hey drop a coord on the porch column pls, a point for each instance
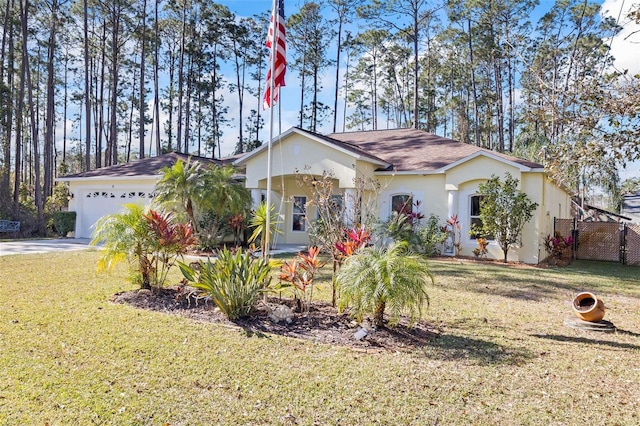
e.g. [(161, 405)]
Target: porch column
[(452, 202), (452, 209), (256, 197), (350, 195)]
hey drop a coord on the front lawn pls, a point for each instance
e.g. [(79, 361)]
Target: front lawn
[(70, 356)]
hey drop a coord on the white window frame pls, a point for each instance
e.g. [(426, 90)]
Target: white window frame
[(401, 194), (471, 216), (339, 204), (302, 221)]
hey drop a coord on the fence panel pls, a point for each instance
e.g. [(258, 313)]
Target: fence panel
[(598, 241), (633, 245), (564, 227)]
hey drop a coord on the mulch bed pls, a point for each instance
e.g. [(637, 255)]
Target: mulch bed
[(321, 324)]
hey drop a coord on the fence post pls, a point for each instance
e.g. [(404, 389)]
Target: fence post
[(574, 235), (623, 244)]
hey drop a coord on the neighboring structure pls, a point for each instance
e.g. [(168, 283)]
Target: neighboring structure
[(442, 174), (99, 192), (589, 213), (631, 207)]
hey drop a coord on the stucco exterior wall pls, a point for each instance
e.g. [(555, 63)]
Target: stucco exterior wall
[(428, 190), (479, 168), (443, 193), (298, 153)]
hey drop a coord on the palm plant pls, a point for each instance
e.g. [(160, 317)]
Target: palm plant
[(181, 187), (259, 224), (150, 241), (125, 236), (222, 194), (376, 279)]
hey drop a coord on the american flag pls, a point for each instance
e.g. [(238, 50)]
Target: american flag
[(277, 32)]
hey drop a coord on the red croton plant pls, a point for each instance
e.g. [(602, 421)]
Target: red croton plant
[(169, 240), (299, 274), (356, 238)]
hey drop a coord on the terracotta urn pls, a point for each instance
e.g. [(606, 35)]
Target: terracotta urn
[(588, 307)]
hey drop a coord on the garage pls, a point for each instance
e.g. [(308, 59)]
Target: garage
[(99, 192), (96, 203)]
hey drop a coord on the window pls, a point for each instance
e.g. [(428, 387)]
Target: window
[(299, 215), (335, 205), (402, 204), (474, 217)]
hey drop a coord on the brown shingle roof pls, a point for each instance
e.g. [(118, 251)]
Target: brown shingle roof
[(416, 150), (149, 166)]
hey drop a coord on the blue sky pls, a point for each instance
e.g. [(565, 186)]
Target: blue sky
[(626, 52)]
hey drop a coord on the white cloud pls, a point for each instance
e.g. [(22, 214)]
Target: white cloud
[(624, 46)]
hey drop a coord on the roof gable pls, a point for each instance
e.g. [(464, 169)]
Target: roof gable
[(414, 150), (348, 149)]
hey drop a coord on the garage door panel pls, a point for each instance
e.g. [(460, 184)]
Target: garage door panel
[(98, 203)]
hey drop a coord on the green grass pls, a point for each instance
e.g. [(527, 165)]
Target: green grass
[(69, 356)]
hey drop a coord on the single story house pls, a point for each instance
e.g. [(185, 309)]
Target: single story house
[(441, 174), (103, 191)]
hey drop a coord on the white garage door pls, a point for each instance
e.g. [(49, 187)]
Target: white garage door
[(95, 204)]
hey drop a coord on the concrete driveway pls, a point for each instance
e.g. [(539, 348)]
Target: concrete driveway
[(42, 246)]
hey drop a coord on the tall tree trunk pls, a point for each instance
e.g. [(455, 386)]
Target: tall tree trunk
[(416, 70), (187, 109), (335, 94), (115, 77), (100, 105), (239, 65), (156, 84), (65, 101), (314, 102), (183, 35), (32, 113), (142, 63), (50, 108), (474, 90), (130, 126), (497, 71), (17, 173), (170, 108), (87, 91), (7, 101)]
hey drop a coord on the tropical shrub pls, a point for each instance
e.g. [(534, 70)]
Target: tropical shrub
[(399, 227), (386, 278), (259, 224), (150, 241), (170, 241), (427, 239), (198, 192), (353, 240), (180, 189), (557, 245), (299, 274), (504, 210), (453, 235), (430, 237), (481, 249), (234, 281), (212, 231), (63, 223)]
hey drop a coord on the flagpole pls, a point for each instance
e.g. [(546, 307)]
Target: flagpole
[(275, 16)]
